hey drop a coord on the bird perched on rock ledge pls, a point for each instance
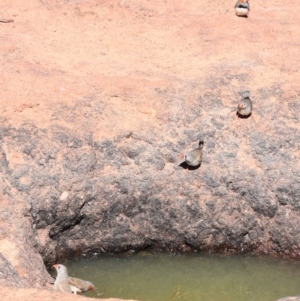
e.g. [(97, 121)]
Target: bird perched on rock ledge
[(194, 157), (242, 8), (244, 108)]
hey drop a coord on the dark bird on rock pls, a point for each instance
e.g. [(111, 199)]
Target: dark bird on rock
[(194, 157), (244, 108), (242, 8)]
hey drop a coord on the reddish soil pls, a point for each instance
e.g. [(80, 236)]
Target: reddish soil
[(58, 52)]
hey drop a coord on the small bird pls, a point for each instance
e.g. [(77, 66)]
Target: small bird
[(194, 157), (61, 283), (64, 283), (245, 105), (81, 285), (242, 8)]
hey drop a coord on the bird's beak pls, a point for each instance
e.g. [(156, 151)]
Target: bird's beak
[(55, 266), (181, 156)]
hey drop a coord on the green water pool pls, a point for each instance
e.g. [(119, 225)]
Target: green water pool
[(194, 277)]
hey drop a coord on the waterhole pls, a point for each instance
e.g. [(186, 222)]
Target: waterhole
[(193, 277)]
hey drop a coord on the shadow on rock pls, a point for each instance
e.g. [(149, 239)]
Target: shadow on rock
[(184, 165)]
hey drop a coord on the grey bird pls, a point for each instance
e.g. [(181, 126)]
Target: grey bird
[(194, 157), (61, 283), (242, 8), (81, 285), (245, 105)]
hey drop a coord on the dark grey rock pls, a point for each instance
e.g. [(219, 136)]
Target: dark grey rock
[(128, 192)]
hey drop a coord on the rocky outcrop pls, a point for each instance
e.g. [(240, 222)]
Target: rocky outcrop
[(97, 107), (21, 264), (128, 192)]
